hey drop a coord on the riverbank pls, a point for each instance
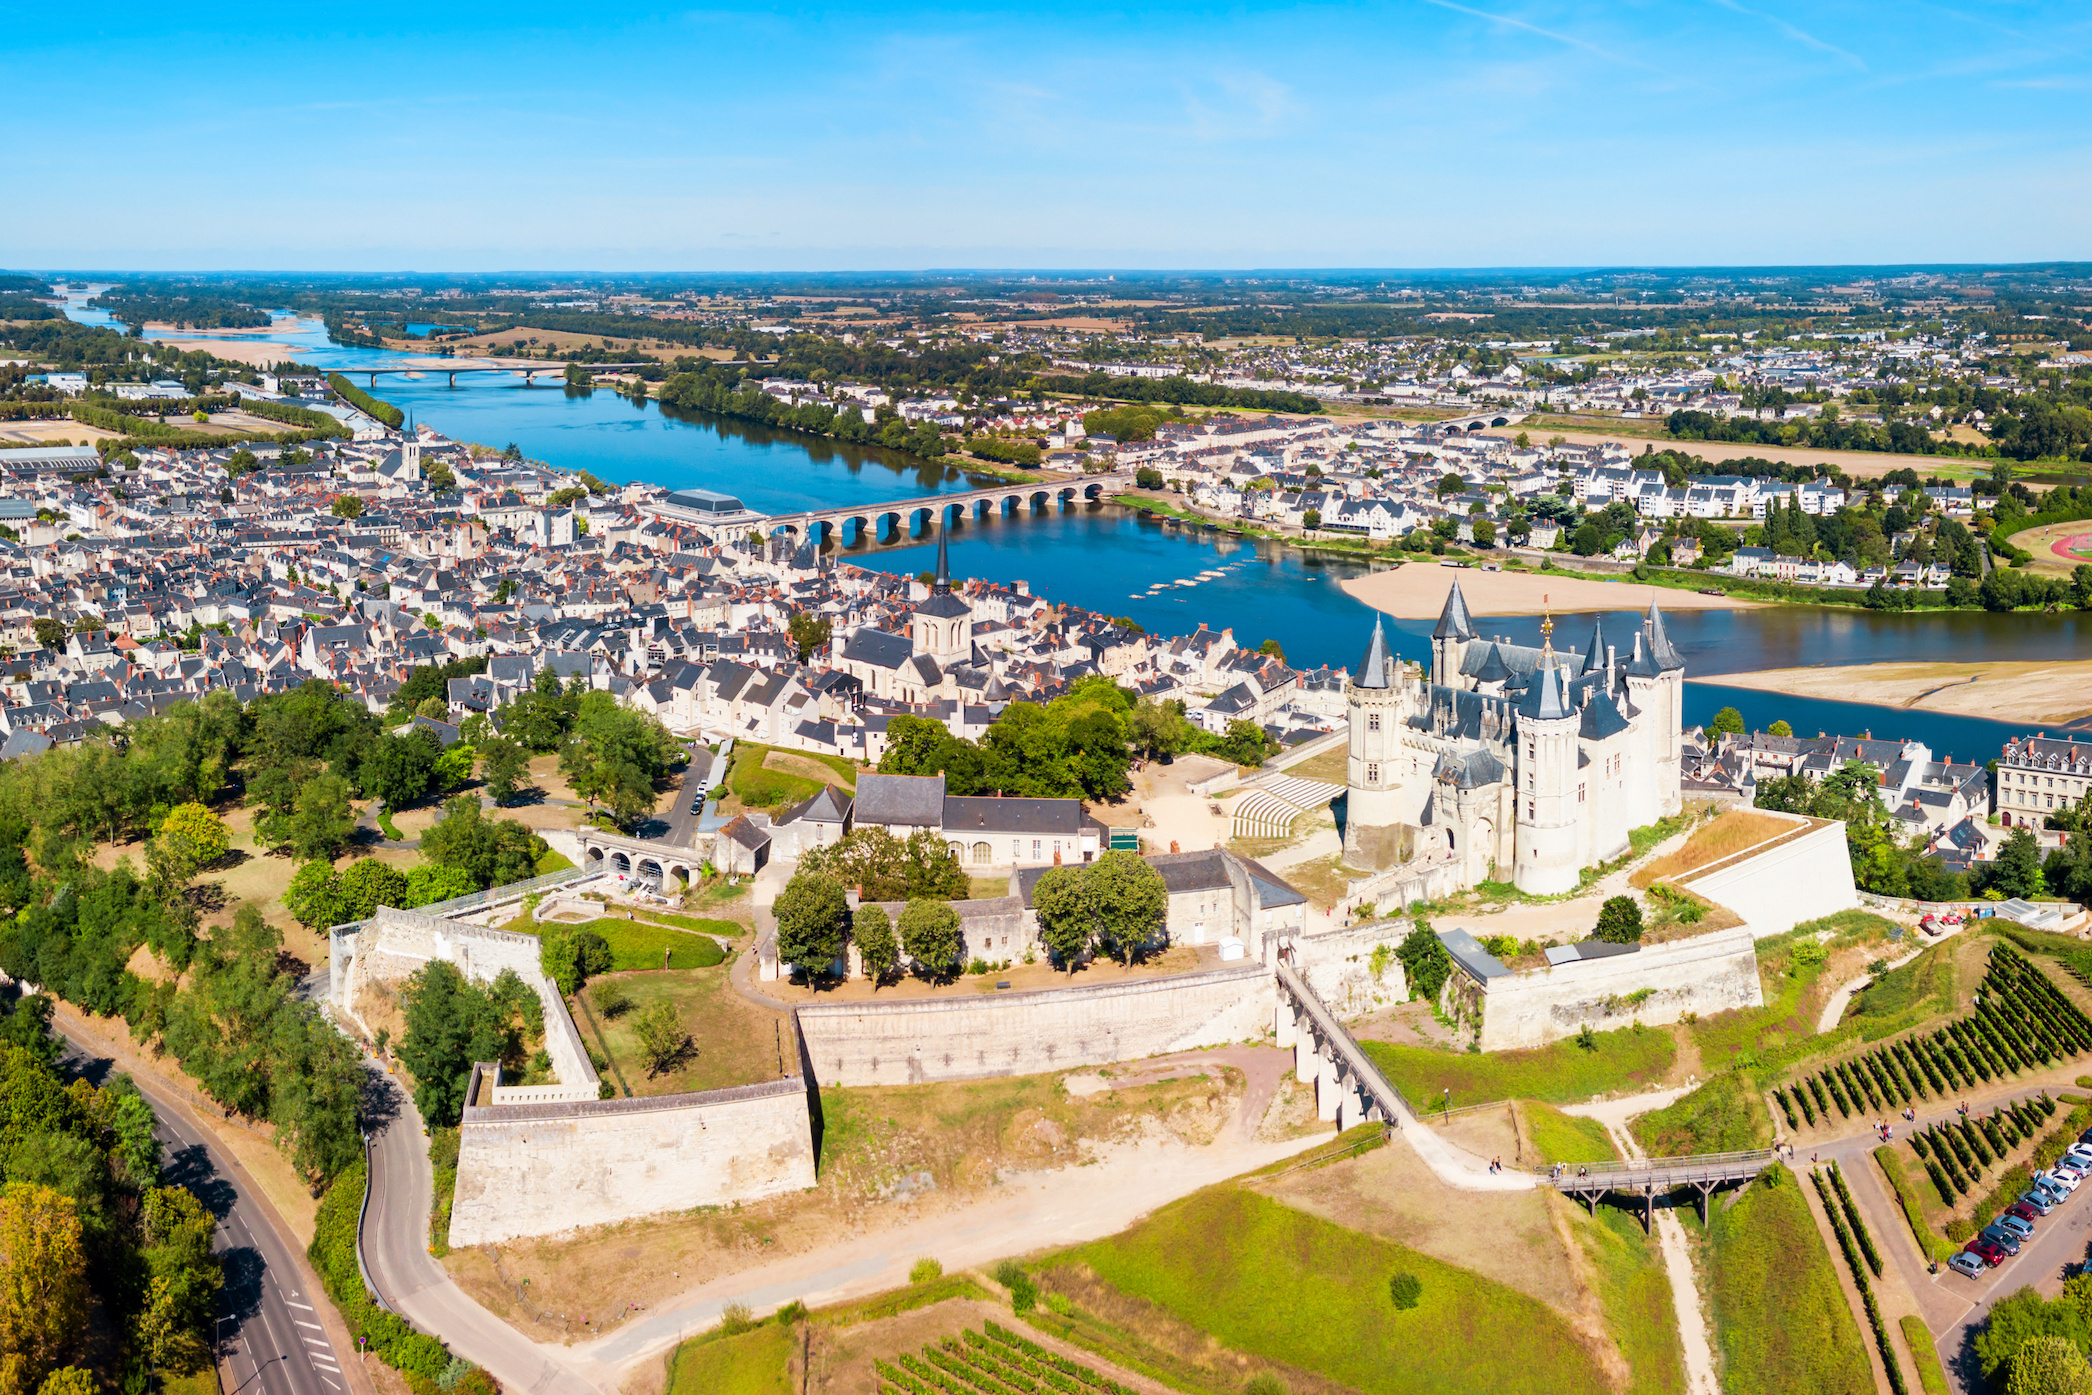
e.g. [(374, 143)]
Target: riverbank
[(2050, 693), (1417, 591)]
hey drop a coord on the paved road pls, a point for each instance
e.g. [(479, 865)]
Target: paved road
[(410, 1281), (271, 1333)]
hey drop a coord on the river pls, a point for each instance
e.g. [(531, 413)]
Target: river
[(1110, 560)]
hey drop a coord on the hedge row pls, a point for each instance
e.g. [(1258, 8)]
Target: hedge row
[(362, 401), (2020, 1021), (319, 423), (1852, 1215), (1859, 1276), (1956, 1151)]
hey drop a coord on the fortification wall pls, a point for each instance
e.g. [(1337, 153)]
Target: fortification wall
[(539, 1169), (914, 1042), (1655, 986), (1805, 878), (1338, 966)]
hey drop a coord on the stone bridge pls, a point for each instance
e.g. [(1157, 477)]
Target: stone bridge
[(907, 517), (613, 852), (1349, 1088), (528, 372), (1658, 1176)]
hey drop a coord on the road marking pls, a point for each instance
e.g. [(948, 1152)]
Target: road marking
[(296, 1304), (303, 1323)]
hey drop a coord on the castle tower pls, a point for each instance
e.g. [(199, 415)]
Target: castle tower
[(1449, 639), (1375, 834), (1669, 712), (942, 626), (1547, 805)]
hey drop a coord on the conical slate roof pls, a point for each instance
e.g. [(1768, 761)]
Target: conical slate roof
[(1660, 649), (1453, 621), (942, 585), (1594, 657), (1377, 669), (1545, 701)]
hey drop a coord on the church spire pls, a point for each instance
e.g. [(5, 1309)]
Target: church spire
[(1453, 621), (942, 586)]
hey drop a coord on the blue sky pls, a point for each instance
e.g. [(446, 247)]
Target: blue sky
[(1417, 133)]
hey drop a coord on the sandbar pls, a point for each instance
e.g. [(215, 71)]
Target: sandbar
[(1417, 591), (2039, 692)]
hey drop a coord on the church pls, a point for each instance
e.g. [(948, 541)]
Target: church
[(1520, 764)]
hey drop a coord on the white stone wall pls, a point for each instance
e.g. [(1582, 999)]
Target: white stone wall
[(1802, 879), (914, 1042), (547, 1168), (1338, 967), (1706, 974)]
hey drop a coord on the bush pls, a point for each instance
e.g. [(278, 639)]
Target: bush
[(1024, 1294), (612, 999), (1405, 1290), (734, 1319), (1619, 921), (924, 1270)]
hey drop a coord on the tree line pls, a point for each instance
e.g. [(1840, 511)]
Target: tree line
[(725, 392), (365, 403)]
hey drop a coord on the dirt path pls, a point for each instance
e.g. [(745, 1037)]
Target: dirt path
[(1835, 1008), (1700, 1378)]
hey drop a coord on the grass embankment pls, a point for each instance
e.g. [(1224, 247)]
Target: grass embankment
[(1564, 1138), (1279, 1284), (1632, 1058), (640, 944), (755, 1362), (1725, 836), (1635, 1291), (1925, 1356), (765, 777), (732, 1040), (1726, 1115), (1779, 1314)]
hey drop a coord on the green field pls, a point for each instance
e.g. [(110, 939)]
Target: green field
[(1636, 1291), (1779, 1316), (757, 1362), (635, 944), (759, 786), (1629, 1059), (732, 1040), (1276, 1283), (1751, 1038), (1565, 1138), (1726, 1115)]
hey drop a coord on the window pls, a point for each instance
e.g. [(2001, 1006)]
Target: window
[(1579, 794), (1529, 809), (1372, 721), (1034, 847), (1372, 774)]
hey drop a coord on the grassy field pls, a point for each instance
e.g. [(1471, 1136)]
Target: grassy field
[(1636, 1293), (1559, 1137), (1726, 1115), (636, 944), (757, 1362), (1628, 1059), (1273, 1282), (733, 1041), (1780, 1318), (1751, 1038), (764, 777)]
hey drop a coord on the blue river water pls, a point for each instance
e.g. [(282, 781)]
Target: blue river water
[(1124, 564)]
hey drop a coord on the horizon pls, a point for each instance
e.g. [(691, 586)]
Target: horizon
[(1428, 135)]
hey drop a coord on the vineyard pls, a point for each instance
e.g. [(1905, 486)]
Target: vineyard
[(998, 1363), (2021, 1022)]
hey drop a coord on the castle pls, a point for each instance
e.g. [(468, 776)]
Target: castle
[(1511, 760)]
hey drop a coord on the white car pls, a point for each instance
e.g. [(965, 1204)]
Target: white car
[(2079, 1157), (2059, 1179)]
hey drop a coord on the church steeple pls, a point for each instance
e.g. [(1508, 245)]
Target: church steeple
[(942, 585)]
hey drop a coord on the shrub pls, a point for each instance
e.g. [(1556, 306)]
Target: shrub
[(1405, 1290), (1619, 921), (924, 1270), (734, 1319), (1024, 1294), (613, 1000)]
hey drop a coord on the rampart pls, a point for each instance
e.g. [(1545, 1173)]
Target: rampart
[(1654, 985), (1338, 966), (914, 1042), (1777, 885), (538, 1169)]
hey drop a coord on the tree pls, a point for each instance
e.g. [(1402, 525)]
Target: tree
[(810, 632), (930, 936), (571, 958), (1727, 722), (71, 1380), (1128, 898), (662, 1038), (1485, 533), (314, 895), (811, 913), (1619, 921), (871, 930), (428, 883), (1274, 649), (450, 1024), (347, 506), (454, 767), (1061, 902), (1425, 962), (193, 834), (1160, 728), (321, 823), (1311, 520), (368, 884), (49, 633), (503, 765), (183, 1294), (398, 770), (492, 852), (2017, 871), (1450, 483), (2049, 1366), (43, 1283), (1780, 728)]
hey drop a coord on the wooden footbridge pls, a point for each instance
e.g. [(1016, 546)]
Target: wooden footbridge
[(1654, 1177)]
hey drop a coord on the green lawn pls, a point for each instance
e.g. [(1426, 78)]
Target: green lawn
[(1628, 1059), (1751, 1038), (1779, 1316), (732, 1041), (1726, 1115), (1276, 1283), (635, 944), (757, 1362), (1565, 1138), (759, 786)]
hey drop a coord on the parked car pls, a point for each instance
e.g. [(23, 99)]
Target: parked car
[(2058, 1179), (1968, 1265), (1993, 1254), (2038, 1200), (2001, 1237), (2079, 1156), (2023, 1211), (2018, 1225)]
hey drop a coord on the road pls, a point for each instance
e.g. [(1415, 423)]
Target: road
[(277, 1332), (408, 1279)]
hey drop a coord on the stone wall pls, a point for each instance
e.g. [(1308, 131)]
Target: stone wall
[(917, 1041), (1804, 878), (1655, 985), (539, 1169), (1338, 966)]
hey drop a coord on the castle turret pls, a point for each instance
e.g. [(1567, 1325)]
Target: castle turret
[(1666, 709), (1375, 832), (1449, 639), (1548, 806)]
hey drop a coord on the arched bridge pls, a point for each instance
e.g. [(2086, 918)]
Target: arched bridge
[(639, 857), (906, 517), (528, 372), (1652, 1177), (1349, 1088)]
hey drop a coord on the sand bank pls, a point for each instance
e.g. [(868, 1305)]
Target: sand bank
[(1417, 591), (2048, 693)]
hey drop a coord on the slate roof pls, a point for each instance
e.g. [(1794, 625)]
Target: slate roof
[(914, 800)]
